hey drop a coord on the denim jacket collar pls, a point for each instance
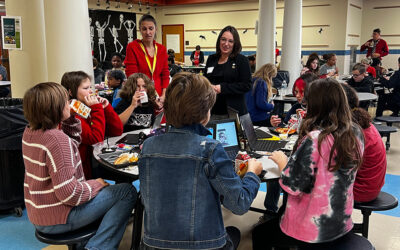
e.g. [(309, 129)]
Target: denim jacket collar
[(194, 128)]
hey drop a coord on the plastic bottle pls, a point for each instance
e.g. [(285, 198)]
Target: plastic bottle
[(284, 87)]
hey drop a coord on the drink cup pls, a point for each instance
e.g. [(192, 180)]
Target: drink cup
[(144, 98)]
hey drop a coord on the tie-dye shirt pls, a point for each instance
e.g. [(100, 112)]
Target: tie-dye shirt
[(320, 202)]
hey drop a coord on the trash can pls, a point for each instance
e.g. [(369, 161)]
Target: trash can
[(12, 170)]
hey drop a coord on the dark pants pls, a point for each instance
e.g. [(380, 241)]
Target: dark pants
[(387, 102), (231, 243)]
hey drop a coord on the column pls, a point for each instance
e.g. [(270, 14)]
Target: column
[(67, 37), (29, 65), (266, 33), (291, 39)]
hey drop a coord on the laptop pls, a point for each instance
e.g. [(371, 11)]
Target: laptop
[(258, 132), (225, 132), (157, 121), (258, 145)]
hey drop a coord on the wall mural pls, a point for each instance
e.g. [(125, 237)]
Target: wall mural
[(110, 31)]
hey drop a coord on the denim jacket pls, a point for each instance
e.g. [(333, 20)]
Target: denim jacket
[(182, 176)]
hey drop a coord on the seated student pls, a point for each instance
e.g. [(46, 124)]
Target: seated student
[(298, 91), (361, 83), (370, 70), (319, 175), (197, 56), (371, 174), (390, 101), (102, 121), (116, 78), (184, 174), (117, 60), (312, 65), (329, 69), (172, 67), (258, 99), (58, 198), (133, 111), (99, 74), (252, 62)]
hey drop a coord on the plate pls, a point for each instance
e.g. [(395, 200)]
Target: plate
[(111, 157), (284, 131)]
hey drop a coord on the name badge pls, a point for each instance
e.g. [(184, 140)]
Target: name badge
[(210, 70)]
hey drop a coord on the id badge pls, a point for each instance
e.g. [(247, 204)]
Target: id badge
[(210, 70)]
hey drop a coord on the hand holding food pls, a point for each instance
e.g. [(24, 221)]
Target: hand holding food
[(90, 100), (275, 120), (103, 101), (254, 166)]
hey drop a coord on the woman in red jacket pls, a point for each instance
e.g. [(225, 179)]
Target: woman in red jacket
[(148, 57), (102, 121)]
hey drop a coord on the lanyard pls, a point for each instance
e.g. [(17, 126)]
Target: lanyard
[(148, 60)]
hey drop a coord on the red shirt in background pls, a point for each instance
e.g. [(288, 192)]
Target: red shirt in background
[(381, 48), (371, 71), (196, 58), (371, 174), (135, 61)]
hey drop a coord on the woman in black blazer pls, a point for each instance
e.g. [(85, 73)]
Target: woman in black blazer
[(229, 72)]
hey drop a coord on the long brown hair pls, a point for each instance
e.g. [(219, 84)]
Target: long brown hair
[(237, 45), (130, 86), (266, 73), (328, 110)]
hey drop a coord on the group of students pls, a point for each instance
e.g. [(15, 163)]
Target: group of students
[(185, 176)]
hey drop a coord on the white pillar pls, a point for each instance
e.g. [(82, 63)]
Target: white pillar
[(291, 39), (29, 65), (67, 37), (266, 33)]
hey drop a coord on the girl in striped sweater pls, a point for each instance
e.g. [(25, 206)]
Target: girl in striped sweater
[(58, 198)]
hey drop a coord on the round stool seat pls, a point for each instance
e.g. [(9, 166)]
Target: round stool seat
[(384, 201), (385, 129), (69, 238), (388, 118), (349, 241)]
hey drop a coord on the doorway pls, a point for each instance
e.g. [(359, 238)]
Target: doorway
[(173, 38)]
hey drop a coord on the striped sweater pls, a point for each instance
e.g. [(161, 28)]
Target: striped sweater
[(54, 181)]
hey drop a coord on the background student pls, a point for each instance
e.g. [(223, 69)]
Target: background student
[(197, 56), (58, 198)]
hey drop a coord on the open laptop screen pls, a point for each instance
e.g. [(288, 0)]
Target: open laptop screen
[(247, 125), (226, 134)]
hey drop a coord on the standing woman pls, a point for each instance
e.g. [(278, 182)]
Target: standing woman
[(148, 57), (229, 73), (257, 99)]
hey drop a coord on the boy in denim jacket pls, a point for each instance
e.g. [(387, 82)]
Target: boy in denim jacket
[(183, 174)]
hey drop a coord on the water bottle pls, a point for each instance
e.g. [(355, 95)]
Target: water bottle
[(283, 88)]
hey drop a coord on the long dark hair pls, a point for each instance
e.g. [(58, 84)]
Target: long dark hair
[(328, 110), (237, 46), (360, 116), (308, 64)]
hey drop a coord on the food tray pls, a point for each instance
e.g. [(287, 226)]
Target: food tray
[(110, 158)]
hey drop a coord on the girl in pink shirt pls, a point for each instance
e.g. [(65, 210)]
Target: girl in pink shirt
[(319, 176)]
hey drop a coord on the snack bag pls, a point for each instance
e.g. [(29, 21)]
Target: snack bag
[(241, 163), (80, 108)]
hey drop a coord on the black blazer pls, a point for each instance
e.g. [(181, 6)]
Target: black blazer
[(201, 57), (236, 81)]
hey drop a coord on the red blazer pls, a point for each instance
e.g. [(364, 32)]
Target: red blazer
[(101, 122), (381, 48), (135, 61)]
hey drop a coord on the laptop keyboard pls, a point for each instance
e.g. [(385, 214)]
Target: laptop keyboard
[(269, 146), (262, 134)]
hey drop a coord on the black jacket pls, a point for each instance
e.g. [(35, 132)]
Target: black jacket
[(393, 83), (366, 85), (234, 76), (201, 57)]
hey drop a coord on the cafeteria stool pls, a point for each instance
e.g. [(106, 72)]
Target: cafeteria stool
[(349, 241), (383, 202), (385, 131), (71, 239)]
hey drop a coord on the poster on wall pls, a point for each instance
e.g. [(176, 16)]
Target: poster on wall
[(12, 32), (110, 31)]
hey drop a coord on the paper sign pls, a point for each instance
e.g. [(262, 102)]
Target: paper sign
[(173, 42), (12, 32)]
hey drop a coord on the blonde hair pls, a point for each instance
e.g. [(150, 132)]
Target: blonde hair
[(266, 73)]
